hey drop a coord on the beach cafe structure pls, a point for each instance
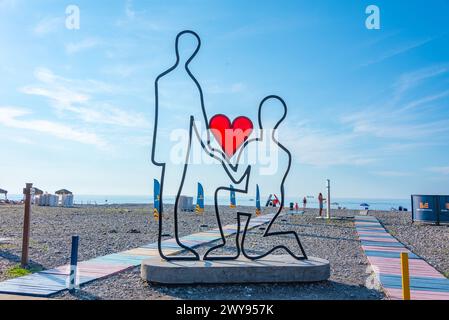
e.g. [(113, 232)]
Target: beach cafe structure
[(37, 194), (65, 197), (5, 193)]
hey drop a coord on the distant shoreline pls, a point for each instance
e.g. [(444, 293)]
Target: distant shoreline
[(348, 203)]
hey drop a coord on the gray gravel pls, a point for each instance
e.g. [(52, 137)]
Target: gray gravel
[(333, 240), (102, 230), (111, 229), (430, 242)]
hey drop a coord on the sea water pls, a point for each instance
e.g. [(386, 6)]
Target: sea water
[(348, 203)]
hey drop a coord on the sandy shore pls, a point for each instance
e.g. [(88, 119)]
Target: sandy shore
[(109, 229)]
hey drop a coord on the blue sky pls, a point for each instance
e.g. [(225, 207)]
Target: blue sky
[(367, 108)]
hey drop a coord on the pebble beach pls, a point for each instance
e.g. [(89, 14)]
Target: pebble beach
[(114, 228)]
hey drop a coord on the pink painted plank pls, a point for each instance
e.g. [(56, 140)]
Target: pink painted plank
[(364, 233), (392, 240), (389, 249), (392, 261), (357, 223), (396, 294), (415, 271)]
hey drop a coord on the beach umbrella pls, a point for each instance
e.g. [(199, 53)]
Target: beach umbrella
[(232, 198), (157, 198), (200, 199), (364, 205), (257, 200), (63, 191), (269, 200), (38, 191)]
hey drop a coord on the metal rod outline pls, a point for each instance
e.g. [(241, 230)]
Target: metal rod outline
[(211, 151)]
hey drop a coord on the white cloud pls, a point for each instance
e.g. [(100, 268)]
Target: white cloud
[(396, 126), (22, 140), (387, 124), (390, 129), (75, 97), (323, 148), (425, 100), (224, 89), (129, 11), (388, 173), (11, 117), (7, 4), (75, 47), (141, 20), (127, 70), (398, 118), (403, 48), (440, 170), (409, 80), (49, 25)]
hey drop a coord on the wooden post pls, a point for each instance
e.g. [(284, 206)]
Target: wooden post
[(27, 191), (405, 276), (328, 207)]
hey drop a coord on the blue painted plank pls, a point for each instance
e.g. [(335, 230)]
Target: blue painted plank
[(416, 283), (388, 254), (35, 285), (376, 236), (383, 244)]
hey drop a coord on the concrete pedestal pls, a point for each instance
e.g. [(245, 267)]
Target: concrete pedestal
[(271, 269)]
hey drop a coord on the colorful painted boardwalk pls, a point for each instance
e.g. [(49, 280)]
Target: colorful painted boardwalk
[(383, 252), (48, 282)]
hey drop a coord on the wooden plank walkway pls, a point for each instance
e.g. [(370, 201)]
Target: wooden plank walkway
[(5, 240), (383, 252), (15, 297), (49, 282)]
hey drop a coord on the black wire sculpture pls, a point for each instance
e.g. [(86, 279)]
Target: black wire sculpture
[(221, 156)]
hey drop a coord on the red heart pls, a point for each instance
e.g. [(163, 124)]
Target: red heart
[(230, 136)]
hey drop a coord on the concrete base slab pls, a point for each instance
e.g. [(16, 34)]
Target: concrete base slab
[(271, 269)]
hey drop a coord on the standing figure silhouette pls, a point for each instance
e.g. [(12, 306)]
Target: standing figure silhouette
[(179, 104)]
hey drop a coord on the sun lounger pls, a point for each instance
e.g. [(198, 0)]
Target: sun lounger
[(363, 212)]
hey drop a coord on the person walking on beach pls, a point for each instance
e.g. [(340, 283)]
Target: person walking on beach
[(304, 203), (320, 202)]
